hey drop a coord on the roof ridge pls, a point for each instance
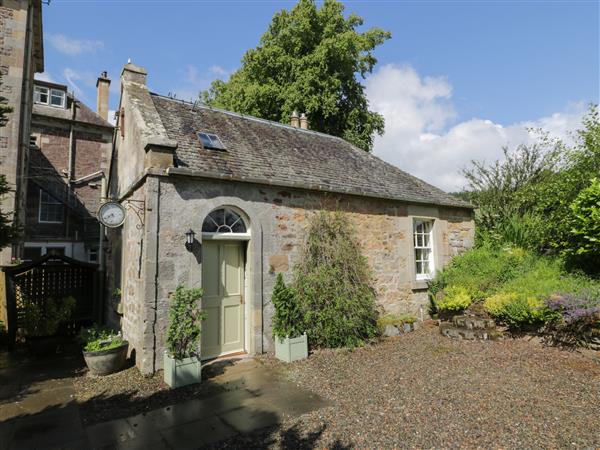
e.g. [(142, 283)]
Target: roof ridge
[(248, 117)]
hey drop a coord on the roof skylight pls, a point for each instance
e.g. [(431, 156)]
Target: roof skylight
[(211, 141)]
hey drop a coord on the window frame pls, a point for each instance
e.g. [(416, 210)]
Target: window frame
[(63, 97), (430, 247), (49, 92), (37, 93), (41, 203), (214, 141)]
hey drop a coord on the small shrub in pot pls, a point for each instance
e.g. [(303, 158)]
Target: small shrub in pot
[(104, 350), (182, 365), (291, 342)]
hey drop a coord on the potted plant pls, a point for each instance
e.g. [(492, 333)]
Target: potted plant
[(291, 343), (182, 365), (104, 351), (42, 321)]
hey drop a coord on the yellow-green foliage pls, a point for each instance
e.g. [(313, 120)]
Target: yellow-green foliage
[(521, 300), (516, 309), (456, 298)]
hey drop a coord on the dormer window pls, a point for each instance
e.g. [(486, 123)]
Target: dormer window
[(49, 96), (211, 141)]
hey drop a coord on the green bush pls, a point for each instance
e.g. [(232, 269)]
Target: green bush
[(287, 319), (481, 271), (586, 219), (455, 299), (521, 301), (44, 319), (333, 284), (185, 322), (100, 338), (517, 310)]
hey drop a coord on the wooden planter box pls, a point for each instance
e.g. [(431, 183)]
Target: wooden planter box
[(181, 372), (291, 349)]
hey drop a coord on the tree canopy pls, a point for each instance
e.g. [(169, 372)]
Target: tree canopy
[(310, 60)]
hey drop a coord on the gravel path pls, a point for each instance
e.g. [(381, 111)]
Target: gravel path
[(424, 390)]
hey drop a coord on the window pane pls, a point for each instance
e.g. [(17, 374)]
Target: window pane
[(204, 139), (419, 268), (426, 240), (57, 98), (425, 267), (224, 220)]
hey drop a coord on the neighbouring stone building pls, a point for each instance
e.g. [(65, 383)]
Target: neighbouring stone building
[(70, 147), (246, 188), (21, 55)]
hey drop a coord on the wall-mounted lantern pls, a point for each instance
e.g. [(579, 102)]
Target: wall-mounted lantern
[(190, 237)]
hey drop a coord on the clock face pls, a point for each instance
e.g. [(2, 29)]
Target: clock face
[(111, 214)]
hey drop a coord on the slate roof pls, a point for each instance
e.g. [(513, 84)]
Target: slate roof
[(278, 154)]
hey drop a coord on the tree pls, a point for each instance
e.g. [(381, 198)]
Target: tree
[(8, 231), (308, 61)]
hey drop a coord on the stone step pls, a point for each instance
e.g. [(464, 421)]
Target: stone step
[(473, 323), (471, 334)]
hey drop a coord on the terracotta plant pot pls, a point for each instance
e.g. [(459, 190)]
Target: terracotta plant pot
[(105, 362)]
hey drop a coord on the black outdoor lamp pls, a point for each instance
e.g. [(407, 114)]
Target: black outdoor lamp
[(189, 239)]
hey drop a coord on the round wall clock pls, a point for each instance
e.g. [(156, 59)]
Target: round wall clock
[(111, 214)]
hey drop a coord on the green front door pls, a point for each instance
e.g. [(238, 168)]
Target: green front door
[(223, 300)]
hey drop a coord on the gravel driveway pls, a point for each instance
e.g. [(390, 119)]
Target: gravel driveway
[(424, 390)]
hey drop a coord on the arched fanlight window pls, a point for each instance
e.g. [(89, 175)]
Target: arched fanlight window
[(223, 220)]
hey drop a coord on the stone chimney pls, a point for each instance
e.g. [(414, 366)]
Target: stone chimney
[(304, 122), (294, 119), (133, 73), (102, 86)]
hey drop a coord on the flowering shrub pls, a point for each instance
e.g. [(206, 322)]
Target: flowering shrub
[(576, 318)]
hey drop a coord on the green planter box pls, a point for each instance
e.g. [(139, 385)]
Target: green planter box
[(181, 372), (291, 349)]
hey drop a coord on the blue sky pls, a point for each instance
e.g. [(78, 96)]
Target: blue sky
[(456, 67)]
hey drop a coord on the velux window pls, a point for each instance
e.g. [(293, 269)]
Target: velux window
[(423, 237), (48, 96), (210, 140), (51, 210)]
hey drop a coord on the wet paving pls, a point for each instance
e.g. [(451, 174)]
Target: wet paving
[(38, 409)]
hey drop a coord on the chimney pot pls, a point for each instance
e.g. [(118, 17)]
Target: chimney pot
[(304, 122), (102, 87), (294, 119)]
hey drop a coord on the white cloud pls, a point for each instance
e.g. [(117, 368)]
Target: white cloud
[(44, 76), (70, 46), (219, 71), (193, 81), (421, 139), (111, 117), (74, 80)]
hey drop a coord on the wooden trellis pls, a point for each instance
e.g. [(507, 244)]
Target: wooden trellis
[(51, 276)]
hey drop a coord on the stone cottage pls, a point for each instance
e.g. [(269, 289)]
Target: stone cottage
[(242, 189)]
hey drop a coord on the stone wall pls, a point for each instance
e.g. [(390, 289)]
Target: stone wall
[(278, 219), (17, 55)]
